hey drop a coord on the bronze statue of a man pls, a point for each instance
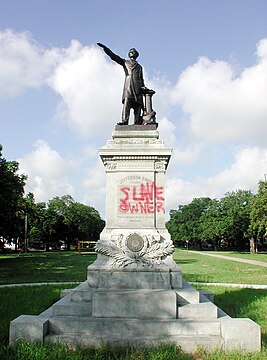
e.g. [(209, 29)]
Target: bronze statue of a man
[(132, 97)]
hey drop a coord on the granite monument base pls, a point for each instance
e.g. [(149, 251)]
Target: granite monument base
[(138, 317), (134, 293)]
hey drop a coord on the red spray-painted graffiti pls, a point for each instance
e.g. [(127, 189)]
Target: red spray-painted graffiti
[(147, 198)]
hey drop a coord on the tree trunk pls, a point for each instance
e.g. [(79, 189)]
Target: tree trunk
[(68, 243), (253, 247), (216, 244)]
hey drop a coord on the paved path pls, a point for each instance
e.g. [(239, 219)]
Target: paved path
[(247, 261), (42, 283), (250, 286)]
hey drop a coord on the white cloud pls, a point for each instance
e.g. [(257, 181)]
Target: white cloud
[(94, 187), (167, 132), (221, 106), (89, 85), (47, 189), (262, 49), (249, 166), (90, 151), (48, 173), (186, 156), (247, 169), (161, 100), (90, 88), (23, 63)]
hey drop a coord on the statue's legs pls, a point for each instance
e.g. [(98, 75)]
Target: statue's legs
[(137, 113), (127, 106), (126, 111)]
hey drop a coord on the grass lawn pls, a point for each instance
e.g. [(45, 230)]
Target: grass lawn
[(68, 266), (33, 300), (44, 267), (240, 303), (25, 300), (197, 267)]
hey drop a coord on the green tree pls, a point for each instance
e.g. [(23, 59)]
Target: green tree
[(57, 224), (11, 195), (211, 225), (236, 207), (258, 217), (25, 216), (185, 223), (87, 222), (218, 223), (36, 216), (68, 221), (227, 220)]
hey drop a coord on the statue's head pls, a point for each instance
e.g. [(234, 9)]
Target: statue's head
[(133, 53)]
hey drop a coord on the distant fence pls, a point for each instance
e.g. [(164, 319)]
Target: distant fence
[(86, 247)]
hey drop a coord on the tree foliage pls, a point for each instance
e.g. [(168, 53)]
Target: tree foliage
[(11, 197), (236, 221), (258, 217), (185, 223), (61, 220), (68, 221), (214, 223)]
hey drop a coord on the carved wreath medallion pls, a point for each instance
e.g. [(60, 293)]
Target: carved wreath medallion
[(135, 243), (134, 249)]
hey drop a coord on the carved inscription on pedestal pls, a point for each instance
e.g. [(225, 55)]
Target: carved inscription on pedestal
[(139, 198)]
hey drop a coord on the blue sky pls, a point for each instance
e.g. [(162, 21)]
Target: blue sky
[(60, 96)]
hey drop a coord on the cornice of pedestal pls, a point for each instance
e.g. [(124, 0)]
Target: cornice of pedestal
[(140, 130), (135, 134), (144, 163), (136, 152), (135, 147)]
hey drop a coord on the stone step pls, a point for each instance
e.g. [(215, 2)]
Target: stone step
[(205, 310), (131, 327), (81, 296), (66, 307), (188, 296), (206, 294), (140, 304), (82, 286), (188, 343)]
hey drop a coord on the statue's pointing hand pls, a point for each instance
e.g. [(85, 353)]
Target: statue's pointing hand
[(101, 45)]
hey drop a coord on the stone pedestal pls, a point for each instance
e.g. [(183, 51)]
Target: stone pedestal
[(134, 293), (134, 250)]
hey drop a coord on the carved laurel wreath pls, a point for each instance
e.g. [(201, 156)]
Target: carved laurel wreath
[(122, 256)]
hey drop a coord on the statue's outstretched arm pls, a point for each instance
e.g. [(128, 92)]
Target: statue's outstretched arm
[(111, 54)]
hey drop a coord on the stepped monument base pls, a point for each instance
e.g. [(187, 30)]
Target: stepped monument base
[(134, 293)]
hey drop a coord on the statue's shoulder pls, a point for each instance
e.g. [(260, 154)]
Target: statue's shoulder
[(132, 65)]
